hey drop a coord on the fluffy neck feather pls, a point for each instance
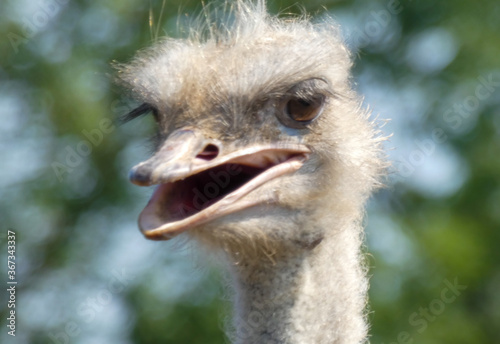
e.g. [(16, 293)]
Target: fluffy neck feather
[(315, 296)]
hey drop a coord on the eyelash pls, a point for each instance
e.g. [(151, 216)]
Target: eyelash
[(141, 110)]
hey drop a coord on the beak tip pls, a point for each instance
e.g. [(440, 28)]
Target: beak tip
[(138, 177), (156, 237)]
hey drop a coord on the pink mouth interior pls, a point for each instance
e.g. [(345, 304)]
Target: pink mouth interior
[(184, 198)]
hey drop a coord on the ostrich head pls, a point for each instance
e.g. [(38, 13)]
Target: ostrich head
[(263, 145)]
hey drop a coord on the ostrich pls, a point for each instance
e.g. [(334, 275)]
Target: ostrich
[(265, 155)]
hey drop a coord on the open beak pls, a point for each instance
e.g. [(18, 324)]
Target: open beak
[(199, 182)]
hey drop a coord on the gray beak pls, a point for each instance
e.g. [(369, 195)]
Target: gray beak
[(183, 152)]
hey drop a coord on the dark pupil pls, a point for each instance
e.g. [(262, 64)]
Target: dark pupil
[(300, 110)]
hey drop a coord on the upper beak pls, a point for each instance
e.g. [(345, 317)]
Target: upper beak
[(183, 153), (201, 179)]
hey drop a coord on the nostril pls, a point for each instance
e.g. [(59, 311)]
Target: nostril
[(210, 152)]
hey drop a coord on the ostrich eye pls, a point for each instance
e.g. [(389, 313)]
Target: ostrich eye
[(304, 110), (303, 103)]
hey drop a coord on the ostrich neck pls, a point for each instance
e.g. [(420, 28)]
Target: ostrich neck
[(315, 296)]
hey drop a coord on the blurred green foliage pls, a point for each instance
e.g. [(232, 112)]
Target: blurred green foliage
[(421, 63)]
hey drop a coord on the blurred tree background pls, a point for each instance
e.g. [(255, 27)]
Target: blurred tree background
[(86, 275)]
